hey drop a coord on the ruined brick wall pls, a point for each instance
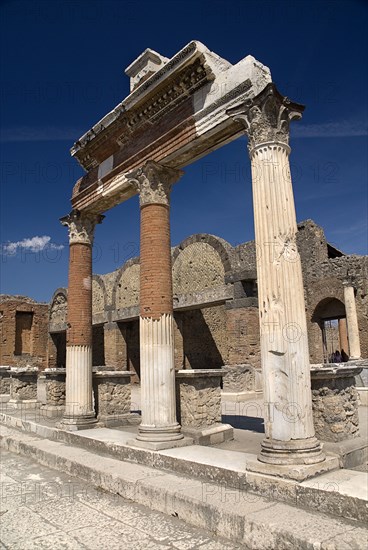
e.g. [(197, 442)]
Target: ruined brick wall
[(204, 338), (24, 332), (224, 334), (126, 288), (98, 295), (323, 279), (197, 267), (242, 333)]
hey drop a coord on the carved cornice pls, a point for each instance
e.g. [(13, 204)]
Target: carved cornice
[(153, 182), (267, 117), (81, 226), (126, 122)]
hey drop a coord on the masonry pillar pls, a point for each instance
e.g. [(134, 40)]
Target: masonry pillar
[(343, 336), (159, 428), (290, 436), (352, 321), (79, 411)]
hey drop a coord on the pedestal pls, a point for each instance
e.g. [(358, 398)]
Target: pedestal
[(199, 406), (23, 388), (112, 393)]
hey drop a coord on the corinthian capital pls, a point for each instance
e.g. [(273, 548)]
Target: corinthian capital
[(266, 117), (153, 182), (81, 226)]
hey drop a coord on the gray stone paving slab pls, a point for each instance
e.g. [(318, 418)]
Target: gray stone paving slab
[(49, 510)]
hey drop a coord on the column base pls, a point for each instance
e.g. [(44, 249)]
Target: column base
[(294, 451), (74, 423), (52, 411), (295, 472), (159, 434), (160, 445)]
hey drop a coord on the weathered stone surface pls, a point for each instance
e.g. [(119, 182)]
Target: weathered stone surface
[(23, 332), (199, 398), (239, 378), (112, 393), (23, 385), (335, 405), (55, 388), (4, 380)]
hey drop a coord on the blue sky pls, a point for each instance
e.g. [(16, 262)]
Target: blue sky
[(63, 69)]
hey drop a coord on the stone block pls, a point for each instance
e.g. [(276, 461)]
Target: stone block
[(112, 394), (23, 387), (4, 380), (335, 402), (199, 406)]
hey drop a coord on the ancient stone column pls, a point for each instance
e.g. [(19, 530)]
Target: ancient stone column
[(79, 412), (290, 437), (352, 321), (159, 427), (343, 336)]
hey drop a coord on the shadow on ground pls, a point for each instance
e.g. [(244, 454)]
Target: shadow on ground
[(250, 423)]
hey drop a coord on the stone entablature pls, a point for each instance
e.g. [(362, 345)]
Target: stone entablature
[(188, 96)]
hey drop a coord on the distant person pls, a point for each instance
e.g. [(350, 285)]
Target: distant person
[(337, 357)]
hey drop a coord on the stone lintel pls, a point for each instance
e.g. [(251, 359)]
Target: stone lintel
[(113, 374), (204, 298), (55, 328), (243, 275), (195, 87), (199, 373), (334, 370), (241, 303)]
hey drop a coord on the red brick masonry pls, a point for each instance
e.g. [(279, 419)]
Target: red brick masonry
[(156, 295)]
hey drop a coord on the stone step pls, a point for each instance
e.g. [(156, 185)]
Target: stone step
[(253, 520), (224, 467)]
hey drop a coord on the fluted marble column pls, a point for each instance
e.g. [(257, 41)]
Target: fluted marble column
[(290, 437), (79, 412), (159, 428), (352, 321)]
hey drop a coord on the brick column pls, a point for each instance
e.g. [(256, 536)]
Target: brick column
[(352, 321), (290, 437), (79, 411), (159, 428)]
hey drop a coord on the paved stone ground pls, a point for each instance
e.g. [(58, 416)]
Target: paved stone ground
[(44, 509)]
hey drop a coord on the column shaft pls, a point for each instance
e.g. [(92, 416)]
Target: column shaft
[(79, 412), (352, 322), (79, 334), (284, 341), (343, 336), (159, 426), (283, 331)]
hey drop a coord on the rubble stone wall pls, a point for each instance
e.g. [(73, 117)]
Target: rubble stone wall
[(200, 402), (335, 409)]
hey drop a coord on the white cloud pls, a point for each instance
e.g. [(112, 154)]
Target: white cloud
[(343, 128), (33, 244)]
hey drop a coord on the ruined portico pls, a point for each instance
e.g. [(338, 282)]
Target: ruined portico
[(178, 111)]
